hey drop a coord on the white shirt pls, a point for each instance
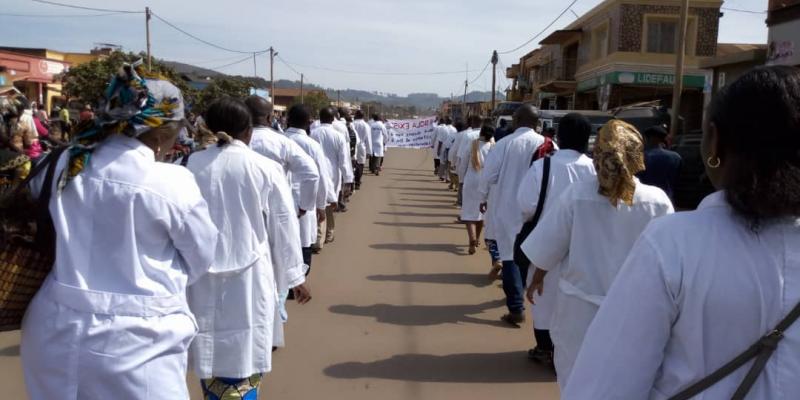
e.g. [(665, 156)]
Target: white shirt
[(464, 150), (587, 239), (364, 135), (258, 255), (325, 188), (341, 126), (338, 153), (456, 146), (380, 135), (296, 164), (704, 288), (506, 164)]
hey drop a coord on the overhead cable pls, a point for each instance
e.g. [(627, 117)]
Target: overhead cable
[(53, 3), (214, 45), (542, 31)]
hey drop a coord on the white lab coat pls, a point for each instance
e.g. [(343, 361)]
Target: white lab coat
[(697, 289), (298, 167), (471, 200), (455, 148), (338, 153), (505, 166), (380, 135), (112, 321), (341, 126), (464, 151), (587, 239), (566, 167), (364, 134), (258, 256), (437, 129), (325, 187)]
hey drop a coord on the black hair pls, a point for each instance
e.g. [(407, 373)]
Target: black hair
[(359, 114), (228, 115), (656, 131), (757, 118), (503, 122), (448, 121), (573, 132), (459, 125), (376, 117), (487, 132), (474, 120), (326, 115), (298, 116)]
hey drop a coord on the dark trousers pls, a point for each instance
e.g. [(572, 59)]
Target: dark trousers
[(514, 279), (375, 163), (460, 193), (307, 254), (436, 165), (491, 244), (543, 341), (358, 171)]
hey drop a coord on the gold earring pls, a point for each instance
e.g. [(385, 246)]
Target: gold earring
[(713, 164)]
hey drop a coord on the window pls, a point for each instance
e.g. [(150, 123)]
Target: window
[(661, 36), (600, 42)]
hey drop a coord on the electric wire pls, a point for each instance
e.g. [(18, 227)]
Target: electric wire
[(206, 42), (248, 58), (53, 3), (287, 64), (742, 11), (553, 22), (60, 15)]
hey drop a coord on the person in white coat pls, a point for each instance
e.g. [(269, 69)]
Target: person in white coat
[(236, 304), (585, 237), (437, 129), (338, 154), (380, 135), (699, 288), (364, 134), (505, 166), (463, 151), (567, 166), (112, 321), (471, 214)]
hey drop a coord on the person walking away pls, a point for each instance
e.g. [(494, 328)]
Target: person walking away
[(338, 154), (444, 143), (463, 153), (236, 303), (710, 283), (448, 147), (452, 153), (379, 136), (662, 166), (567, 166), (364, 134), (112, 321), (505, 166), (435, 140), (470, 209), (298, 122), (613, 206)]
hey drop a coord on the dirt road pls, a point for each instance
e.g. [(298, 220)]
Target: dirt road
[(400, 311)]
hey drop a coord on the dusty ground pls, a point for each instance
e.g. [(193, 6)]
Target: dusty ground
[(400, 311)]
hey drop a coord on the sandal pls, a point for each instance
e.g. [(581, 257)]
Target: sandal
[(473, 247), (497, 268)]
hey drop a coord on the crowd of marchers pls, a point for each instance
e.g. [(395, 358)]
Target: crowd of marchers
[(178, 235), (630, 300)]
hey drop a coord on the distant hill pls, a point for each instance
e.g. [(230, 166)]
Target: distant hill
[(422, 101)]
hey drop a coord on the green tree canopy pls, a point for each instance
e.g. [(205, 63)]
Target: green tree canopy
[(314, 101), (221, 87)]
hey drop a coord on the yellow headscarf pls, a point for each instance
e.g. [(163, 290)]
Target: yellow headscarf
[(618, 157)]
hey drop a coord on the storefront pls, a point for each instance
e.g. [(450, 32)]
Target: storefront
[(34, 76)]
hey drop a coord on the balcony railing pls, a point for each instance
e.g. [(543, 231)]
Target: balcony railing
[(557, 70)]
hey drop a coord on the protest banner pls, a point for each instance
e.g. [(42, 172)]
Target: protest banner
[(411, 133)]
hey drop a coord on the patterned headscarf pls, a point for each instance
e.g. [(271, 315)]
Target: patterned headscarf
[(132, 107), (618, 157)]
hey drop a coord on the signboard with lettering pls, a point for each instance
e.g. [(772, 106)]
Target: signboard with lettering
[(411, 133), (640, 79)]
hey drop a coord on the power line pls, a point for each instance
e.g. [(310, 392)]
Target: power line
[(248, 58), (53, 3), (742, 11), (60, 15), (481, 74), (287, 64), (173, 26), (543, 30)]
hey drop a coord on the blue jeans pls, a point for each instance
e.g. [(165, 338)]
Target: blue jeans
[(514, 279), (491, 244)]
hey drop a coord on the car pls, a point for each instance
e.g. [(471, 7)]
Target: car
[(550, 119)]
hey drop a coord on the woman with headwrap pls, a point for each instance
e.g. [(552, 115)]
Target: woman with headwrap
[(586, 235), (470, 205), (111, 320), (700, 288)]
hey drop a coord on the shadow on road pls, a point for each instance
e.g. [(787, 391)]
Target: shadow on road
[(10, 351), (420, 225), (436, 206), (448, 195), (427, 247), (424, 189), (423, 315), (415, 214), (431, 200), (510, 367), (477, 280)]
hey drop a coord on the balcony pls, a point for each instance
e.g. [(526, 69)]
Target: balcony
[(557, 76)]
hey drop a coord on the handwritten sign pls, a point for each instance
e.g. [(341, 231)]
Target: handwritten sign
[(411, 133)]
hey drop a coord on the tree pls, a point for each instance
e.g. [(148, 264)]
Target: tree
[(88, 81), (314, 101), (221, 87)]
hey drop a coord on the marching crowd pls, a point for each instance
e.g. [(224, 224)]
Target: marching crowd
[(628, 301), (178, 237)]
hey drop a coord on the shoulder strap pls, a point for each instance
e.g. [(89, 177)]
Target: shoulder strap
[(543, 191), (45, 232), (761, 350)]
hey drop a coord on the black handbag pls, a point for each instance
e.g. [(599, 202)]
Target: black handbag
[(519, 256)]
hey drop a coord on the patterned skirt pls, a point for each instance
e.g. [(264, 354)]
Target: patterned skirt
[(231, 388)]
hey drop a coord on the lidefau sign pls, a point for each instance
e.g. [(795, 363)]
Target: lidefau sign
[(641, 79)]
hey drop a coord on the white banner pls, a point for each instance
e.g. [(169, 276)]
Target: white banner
[(411, 133)]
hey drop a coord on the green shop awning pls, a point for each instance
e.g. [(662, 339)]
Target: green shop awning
[(640, 79)]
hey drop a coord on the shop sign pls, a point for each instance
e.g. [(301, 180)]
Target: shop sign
[(641, 79), (47, 67)]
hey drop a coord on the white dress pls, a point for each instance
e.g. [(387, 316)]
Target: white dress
[(258, 256), (587, 239), (112, 321), (505, 166), (697, 289), (566, 167), (471, 201)]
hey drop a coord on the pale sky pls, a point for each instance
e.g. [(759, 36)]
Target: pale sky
[(380, 36)]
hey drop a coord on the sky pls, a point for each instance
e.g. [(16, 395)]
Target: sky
[(328, 41)]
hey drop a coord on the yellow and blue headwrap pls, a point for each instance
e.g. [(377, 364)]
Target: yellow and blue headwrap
[(132, 107)]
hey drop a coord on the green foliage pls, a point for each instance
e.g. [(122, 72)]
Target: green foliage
[(221, 87), (314, 101)]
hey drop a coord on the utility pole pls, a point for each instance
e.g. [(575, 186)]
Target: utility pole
[(302, 98), (272, 54), (255, 69), (147, 32), (494, 79), (338, 98), (678, 88), (464, 103)]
